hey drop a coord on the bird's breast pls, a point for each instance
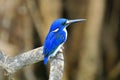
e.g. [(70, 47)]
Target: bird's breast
[(65, 32)]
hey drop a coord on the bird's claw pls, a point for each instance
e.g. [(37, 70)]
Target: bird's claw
[(62, 47)]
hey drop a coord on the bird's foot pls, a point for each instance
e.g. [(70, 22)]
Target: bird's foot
[(62, 47)]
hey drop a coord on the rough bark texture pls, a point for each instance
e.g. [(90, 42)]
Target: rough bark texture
[(13, 64), (57, 67)]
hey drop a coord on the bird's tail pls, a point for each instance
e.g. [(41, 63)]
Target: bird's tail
[(45, 60)]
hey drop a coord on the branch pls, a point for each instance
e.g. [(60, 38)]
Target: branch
[(13, 64), (56, 67)]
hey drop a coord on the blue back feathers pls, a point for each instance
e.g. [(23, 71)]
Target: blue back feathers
[(55, 38)]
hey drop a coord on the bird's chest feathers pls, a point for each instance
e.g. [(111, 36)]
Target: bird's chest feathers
[(65, 32)]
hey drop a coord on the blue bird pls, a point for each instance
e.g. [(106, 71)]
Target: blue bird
[(56, 37)]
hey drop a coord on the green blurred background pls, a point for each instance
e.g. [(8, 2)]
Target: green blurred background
[(92, 51)]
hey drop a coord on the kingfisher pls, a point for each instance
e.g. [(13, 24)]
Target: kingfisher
[(56, 37)]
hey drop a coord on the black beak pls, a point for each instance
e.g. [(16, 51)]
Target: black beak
[(74, 21)]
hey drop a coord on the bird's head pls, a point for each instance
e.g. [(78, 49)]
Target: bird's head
[(62, 23)]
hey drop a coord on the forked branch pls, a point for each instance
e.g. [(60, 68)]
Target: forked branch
[(13, 64)]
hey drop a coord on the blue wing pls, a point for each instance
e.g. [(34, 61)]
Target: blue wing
[(53, 40)]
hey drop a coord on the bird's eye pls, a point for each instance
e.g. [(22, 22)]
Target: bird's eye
[(55, 30)]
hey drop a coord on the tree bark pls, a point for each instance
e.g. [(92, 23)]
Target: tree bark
[(13, 64)]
